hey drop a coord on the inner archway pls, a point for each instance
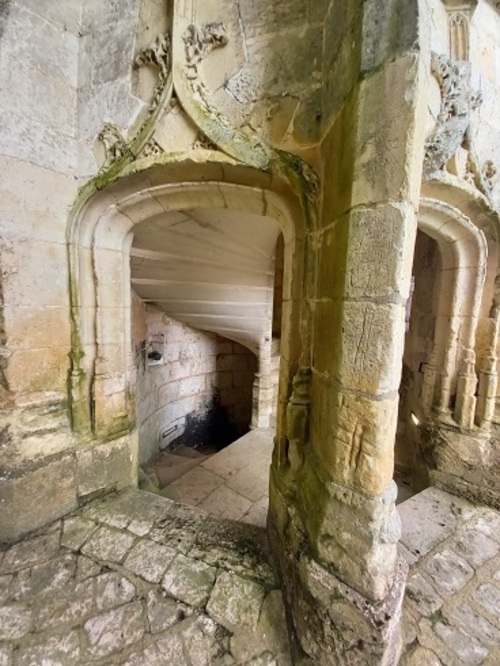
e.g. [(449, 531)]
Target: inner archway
[(421, 314), (205, 309), (103, 379)]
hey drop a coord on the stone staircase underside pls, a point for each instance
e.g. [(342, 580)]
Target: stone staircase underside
[(210, 268)]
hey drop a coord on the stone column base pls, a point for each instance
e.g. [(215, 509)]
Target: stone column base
[(334, 624)]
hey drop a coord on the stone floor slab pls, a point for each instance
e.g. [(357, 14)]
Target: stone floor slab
[(149, 560), (108, 544), (189, 580), (114, 630), (226, 503), (448, 572), (235, 602)]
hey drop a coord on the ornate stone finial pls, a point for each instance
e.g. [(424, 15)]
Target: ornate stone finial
[(157, 55), (115, 146), (459, 16), (199, 41), (453, 122)]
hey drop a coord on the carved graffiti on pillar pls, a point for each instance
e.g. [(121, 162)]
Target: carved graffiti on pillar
[(157, 55), (115, 146), (199, 40), (452, 129)]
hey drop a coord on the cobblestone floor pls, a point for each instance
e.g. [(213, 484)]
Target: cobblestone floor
[(138, 580), (452, 603)]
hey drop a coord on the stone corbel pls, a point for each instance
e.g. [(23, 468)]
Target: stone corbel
[(459, 15)]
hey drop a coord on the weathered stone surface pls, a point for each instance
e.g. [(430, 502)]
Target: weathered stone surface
[(112, 590), (423, 594), (108, 544), (164, 612), (116, 629), (149, 560), (29, 552), (72, 606), (270, 634), (179, 527), (189, 580), (15, 621), (426, 521), (5, 584), (76, 530), (448, 572), (108, 466), (468, 649), (475, 624), (235, 602), (488, 596), (85, 568), (475, 547), (421, 657), (235, 546), (62, 649), (203, 640), (51, 576), (32, 500), (5, 655)]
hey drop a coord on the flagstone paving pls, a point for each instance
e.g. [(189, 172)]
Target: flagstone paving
[(135, 579)]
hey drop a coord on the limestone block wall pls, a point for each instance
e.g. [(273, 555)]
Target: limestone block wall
[(198, 371)]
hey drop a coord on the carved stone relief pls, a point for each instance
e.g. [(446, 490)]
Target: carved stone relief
[(199, 40), (449, 147), (157, 55), (115, 146)]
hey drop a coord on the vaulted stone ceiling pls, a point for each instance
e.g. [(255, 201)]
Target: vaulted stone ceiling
[(210, 268)]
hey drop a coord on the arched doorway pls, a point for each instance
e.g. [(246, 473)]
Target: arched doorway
[(439, 365), (103, 374)]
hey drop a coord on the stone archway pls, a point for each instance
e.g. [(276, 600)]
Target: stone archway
[(450, 370), (102, 377)]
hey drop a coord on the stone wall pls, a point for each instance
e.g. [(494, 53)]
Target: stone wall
[(178, 396), (418, 346)]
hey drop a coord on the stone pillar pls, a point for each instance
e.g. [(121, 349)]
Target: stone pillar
[(263, 388), (488, 377), (465, 405), (262, 400), (333, 522)]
